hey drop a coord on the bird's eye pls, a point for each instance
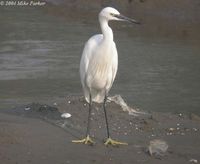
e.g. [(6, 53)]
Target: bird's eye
[(112, 14)]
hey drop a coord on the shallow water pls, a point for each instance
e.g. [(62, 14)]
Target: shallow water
[(40, 54)]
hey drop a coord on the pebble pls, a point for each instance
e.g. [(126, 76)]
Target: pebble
[(55, 104), (69, 102), (180, 114), (169, 134), (186, 129), (182, 134), (27, 108), (195, 129), (171, 129)]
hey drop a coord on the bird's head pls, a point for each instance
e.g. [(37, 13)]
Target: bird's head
[(110, 13)]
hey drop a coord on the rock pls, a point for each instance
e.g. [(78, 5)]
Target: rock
[(66, 115), (157, 147)]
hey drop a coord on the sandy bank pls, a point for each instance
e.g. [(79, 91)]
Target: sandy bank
[(37, 134)]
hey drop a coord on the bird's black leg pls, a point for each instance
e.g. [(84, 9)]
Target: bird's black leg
[(87, 139), (110, 141), (104, 108), (89, 117)]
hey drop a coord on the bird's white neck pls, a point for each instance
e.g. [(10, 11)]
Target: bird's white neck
[(106, 30)]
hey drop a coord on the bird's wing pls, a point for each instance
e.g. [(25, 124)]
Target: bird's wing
[(114, 63), (88, 50)]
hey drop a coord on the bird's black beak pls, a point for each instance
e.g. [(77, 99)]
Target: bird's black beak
[(122, 17)]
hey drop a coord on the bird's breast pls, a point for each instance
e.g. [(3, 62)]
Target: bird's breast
[(100, 70)]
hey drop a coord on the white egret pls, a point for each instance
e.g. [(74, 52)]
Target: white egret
[(98, 67)]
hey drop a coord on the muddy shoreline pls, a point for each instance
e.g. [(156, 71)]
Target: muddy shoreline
[(36, 133)]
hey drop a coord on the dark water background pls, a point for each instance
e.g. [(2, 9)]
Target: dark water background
[(40, 54)]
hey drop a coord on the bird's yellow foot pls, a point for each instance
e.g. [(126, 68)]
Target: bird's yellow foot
[(112, 142), (86, 140)]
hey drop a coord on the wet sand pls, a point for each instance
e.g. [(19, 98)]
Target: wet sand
[(36, 133)]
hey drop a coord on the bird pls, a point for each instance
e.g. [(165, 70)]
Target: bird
[(98, 68)]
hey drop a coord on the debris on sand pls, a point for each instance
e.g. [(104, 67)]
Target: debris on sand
[(193, 160), (119, 100), (157, 147)]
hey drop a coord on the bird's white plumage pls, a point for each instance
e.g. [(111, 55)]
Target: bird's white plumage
[(99, 62), (98, 68)]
